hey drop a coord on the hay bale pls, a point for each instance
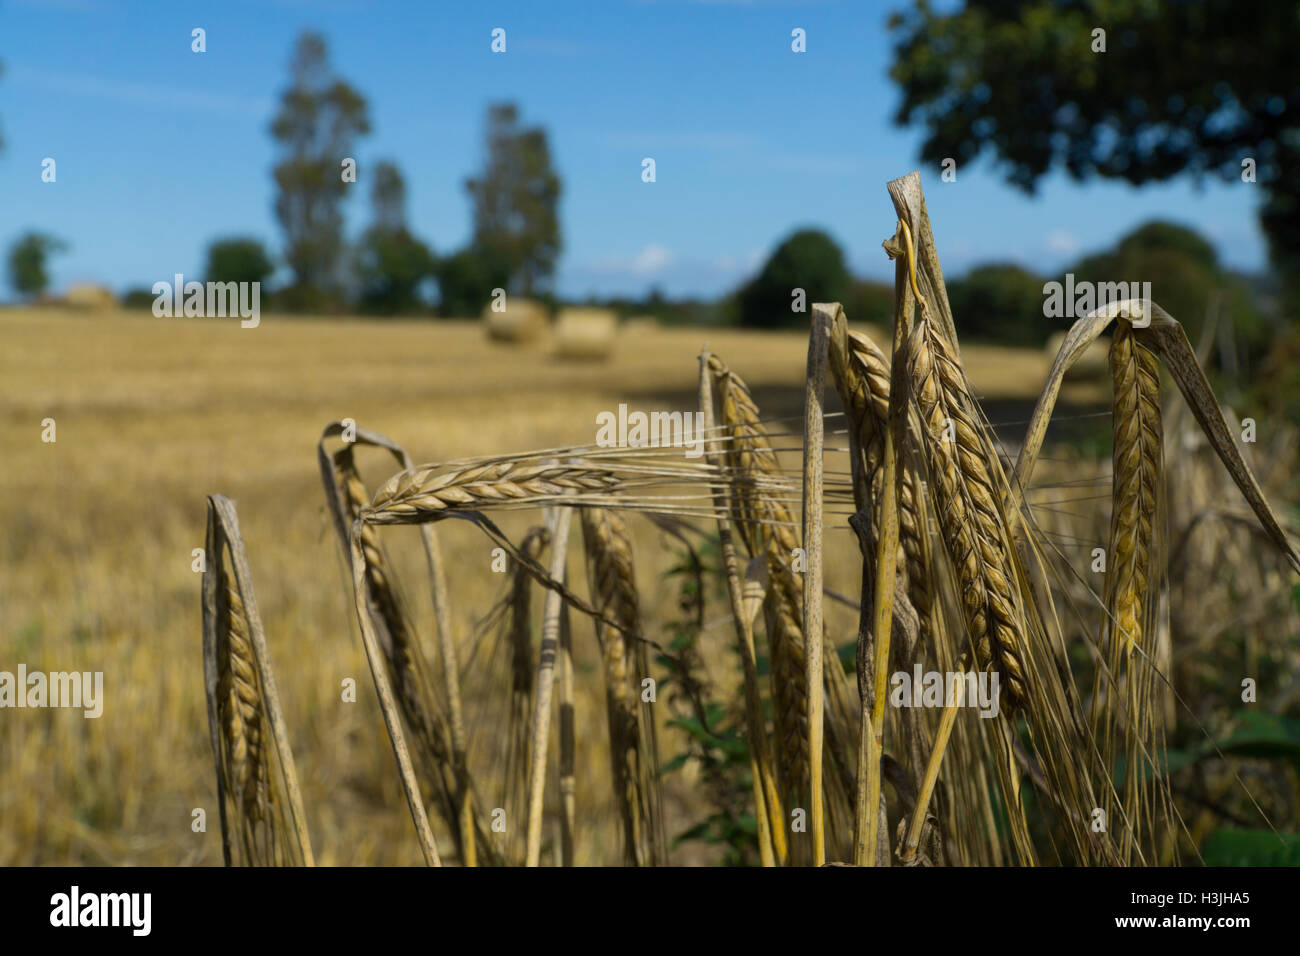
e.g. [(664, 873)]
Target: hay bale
[(638, 324), (88, 295), (585, 333), (523, 320), (1094, 363)]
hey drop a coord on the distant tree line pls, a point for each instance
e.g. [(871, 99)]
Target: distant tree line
[(1004, 302)]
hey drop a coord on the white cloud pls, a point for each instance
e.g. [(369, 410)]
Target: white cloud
[(651, 260), (1063, 243), (140, 93)]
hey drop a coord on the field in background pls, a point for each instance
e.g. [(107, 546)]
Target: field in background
[(96, 534)]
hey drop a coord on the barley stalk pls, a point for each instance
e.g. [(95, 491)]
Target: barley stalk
[(967, 508), (814, 441), (862, 377), (545, 687), (387, 705), (764, 525), (746, 601), (1136, 477), (441, 762), (245, 721), (1131, 579), (523, 671), (418, 495), (613, 590), (568, 742)]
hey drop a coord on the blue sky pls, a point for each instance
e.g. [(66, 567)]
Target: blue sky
[(159, 150)]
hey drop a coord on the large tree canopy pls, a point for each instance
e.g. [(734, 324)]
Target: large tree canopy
[(1182, 87)]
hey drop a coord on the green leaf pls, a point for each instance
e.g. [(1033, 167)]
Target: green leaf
[(674, 765), (1229, 847), (1253, 733), (1257, 733)]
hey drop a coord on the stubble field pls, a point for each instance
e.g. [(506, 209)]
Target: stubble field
[(152, 415)]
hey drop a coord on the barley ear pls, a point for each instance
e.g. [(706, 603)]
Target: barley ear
[(746, 601), (612, 579), (244, 711)]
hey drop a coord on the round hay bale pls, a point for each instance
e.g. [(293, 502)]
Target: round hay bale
[(1094, 363), (89, 295), (523, 320), (585, 333), (637, 324)]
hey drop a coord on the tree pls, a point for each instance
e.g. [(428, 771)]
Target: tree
[(388, 198), (870, 302), (27, 262), (238, 260), (516, 200), (1185, 278), (1003, 303), (1182, 88), (809, 260), (466, 281), (319, 121), (392, 263)]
